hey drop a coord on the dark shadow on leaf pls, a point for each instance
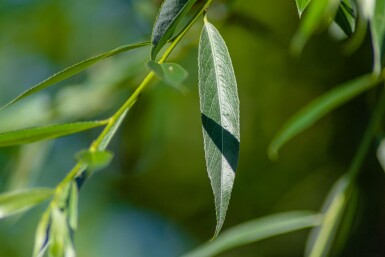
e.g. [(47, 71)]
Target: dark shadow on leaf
[(226, 142)]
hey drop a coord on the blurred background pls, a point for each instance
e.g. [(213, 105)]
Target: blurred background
[(155, 198)]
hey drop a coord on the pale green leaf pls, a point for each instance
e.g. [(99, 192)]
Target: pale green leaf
[(73, 70), (318, 108), (381, 154), (377, 27), (169, 16), (106, 139), (30, 135), (321, 238), (171, 73), (367, 8), (219, 106), (59, 234), (256, 230), (19, 201), (41, 235), (301, 5), (319, 12), (345, 17), (73, 206), (95, 160)]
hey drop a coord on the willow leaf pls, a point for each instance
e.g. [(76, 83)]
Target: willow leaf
[(41, 236), (318, 13), (219, 106), (171, 73), (169, 16), (95, 159), (301, 5), (256, 230), (59, 234), (15, 202), (377, 27), (321, 238), (345, 17), (318, 108), (73, 70), (30, 135)]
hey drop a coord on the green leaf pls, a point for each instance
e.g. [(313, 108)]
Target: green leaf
[(95, 160), (59, 234), (41, 235), (171, 73), (367, 8), (318, 108), (321, 238), (319, 12), (381, 154), (30, 135), (345, 17), (73, 206), (301, 5), (256, 230), (377, 27), (15, 202), (106, 138), (219, 106), (73, 70), (169, 16)]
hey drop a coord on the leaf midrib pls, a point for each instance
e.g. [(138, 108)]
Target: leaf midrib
[(213, 48)]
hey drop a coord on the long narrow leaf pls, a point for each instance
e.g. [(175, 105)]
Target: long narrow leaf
[(169, 16), (219, 105), (318, 108), (30, 135), (41, 234), (15, 202), (345, 17), (73, 70), (377, 26), (318, 13), (321, 238), (256, 230)]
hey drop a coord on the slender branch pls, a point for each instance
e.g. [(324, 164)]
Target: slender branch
[(112, 121)]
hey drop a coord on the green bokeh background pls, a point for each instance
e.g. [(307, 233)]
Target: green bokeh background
[(155, 198)]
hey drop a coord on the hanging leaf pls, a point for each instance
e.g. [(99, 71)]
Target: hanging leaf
[(301, 5), (345, 17), (59, 235), (321, 238), (256, 230), (30, 135), (107, 137), (41, 235), (73, 206), (319, 108), (73, 70), (95, 160), (219, 106), (169, 16), (319, 12), (381, 154), (15, 202), (171, 73), (367, 8), (377, 27)]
